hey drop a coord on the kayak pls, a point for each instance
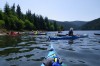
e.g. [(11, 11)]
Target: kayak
[(52, 54), (64, 38), (37, 34), (14, 34), (67, 37), (96, 33), (62, 34)]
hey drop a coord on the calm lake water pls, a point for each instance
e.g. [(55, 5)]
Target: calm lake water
[(30, 50)]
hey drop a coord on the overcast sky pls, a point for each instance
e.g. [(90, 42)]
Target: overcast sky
[(60, 10)]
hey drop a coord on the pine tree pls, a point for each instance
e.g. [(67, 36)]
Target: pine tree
[(7, 9), (13, 9), (1, 15), (55, 26), (47, 23), (18, 11)]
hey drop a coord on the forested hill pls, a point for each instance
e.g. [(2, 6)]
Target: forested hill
[(12, 18), (79, 23), (67, 24), (92, 25)]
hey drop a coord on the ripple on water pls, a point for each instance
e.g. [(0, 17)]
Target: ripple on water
[(28, 51), (6, 52)]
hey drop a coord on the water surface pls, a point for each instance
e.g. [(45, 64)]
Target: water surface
[(30, 50)]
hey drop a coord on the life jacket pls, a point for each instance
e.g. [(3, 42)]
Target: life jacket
[(56, 62), (35, 32), (70, 33)]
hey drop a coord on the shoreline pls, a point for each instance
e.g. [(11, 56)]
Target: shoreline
[(1, 34)]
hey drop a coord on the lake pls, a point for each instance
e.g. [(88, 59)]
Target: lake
[(30, 50)]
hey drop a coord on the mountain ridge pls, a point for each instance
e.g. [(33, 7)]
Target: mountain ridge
[(67, 24)]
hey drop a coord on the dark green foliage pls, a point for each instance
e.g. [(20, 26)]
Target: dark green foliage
[(47, 23), (7, 22), (20, 25), (55, 26), (7, 9), (42, 23), (60, 28), (1, 15), (92, 25), (13, 9), (16, 20), (29, 15), (2, 23), (51, 26), (18, 11), (34, 17), (28, 25)]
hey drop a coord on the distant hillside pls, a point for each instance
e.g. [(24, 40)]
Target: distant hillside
[(92, 25), (78, 23), (66, 25), (75, 24)]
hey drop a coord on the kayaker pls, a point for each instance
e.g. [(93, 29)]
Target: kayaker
[(59, 32), (52, 62), (36, 32), (48, 62), (70, 32), (12, 33), (56, 62)]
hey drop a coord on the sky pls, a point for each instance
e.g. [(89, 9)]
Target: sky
[(60, 10)]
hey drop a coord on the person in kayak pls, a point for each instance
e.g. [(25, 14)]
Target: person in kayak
[(13, 33), (56, 62), (70, 33), (52, 62)]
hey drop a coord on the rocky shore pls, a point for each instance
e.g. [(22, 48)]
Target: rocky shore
[(3, 32)]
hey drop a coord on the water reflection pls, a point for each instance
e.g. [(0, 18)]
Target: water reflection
[(30, 50), (9, 41), (22, 48), (71, 42)]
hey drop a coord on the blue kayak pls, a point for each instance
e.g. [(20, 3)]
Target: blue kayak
[(96, 33), (52, 54), (67, 37)]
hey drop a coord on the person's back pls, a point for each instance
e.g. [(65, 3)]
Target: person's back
[(70, 32), (56, 64), (48, 62), (52, 62)]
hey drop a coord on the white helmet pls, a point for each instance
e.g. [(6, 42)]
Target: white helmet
[(71, 28)]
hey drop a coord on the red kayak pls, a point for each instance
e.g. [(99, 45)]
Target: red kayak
[(13, 34)]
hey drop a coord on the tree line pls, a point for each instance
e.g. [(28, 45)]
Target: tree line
[(92, 25), (12, 18)]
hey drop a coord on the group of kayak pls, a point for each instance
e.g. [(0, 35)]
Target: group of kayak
[(52, 58), (14, 33), (36, 33)]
